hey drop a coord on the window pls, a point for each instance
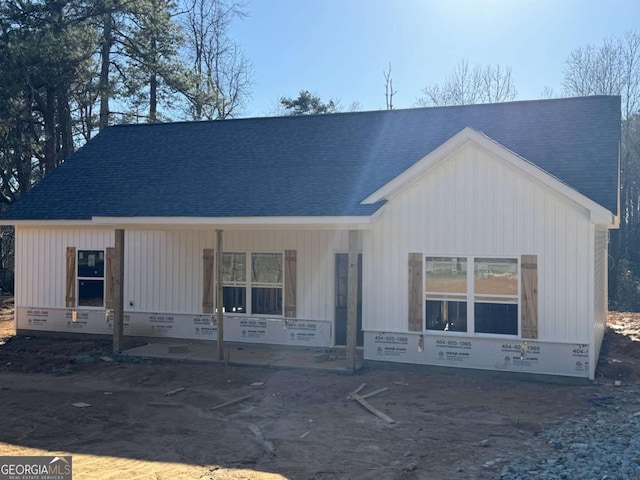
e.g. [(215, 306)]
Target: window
[(262, 285), (234, 281), (483, 300), (446, 292), (90, 278), (266, 283), (496, 295)]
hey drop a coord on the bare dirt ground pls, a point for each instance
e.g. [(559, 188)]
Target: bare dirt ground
[(292, 424)]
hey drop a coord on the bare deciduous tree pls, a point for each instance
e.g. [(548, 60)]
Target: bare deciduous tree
[(389, 92), (610, 69), (468, 85), (613, 68), (548, 93), (221, 76)]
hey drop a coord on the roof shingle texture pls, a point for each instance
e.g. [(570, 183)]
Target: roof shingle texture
[(321, 165)]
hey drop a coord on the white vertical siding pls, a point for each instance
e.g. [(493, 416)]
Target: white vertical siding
[(163, 268), (477, 204), (41, 261), (600, 267)]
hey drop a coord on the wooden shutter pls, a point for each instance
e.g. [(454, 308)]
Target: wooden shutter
[(70, 290), (290, 283), (207, 284), (416, 294), (110, 275), (529, 314)]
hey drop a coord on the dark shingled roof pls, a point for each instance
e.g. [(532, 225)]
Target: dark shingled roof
[(313, 165)]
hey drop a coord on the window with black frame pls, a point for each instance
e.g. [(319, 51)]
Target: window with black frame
[(90, 278)]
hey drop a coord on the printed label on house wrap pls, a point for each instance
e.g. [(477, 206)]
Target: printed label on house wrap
[(580, 355), (391, 345), (62, 320), (37, 317), (301, 331), (516, 355), (453, 350), (521, 355), (77, 320), (253, 328), (206, 326), (277, 331)]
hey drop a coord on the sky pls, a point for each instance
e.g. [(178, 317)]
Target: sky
[(339, 49)]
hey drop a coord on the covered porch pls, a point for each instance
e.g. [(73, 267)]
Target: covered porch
[(249, 354)]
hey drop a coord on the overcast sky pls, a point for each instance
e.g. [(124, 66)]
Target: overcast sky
[(339, 48)]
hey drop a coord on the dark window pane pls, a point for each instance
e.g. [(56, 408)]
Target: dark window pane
[(91, 293), (500, 318), (234, 299), (266, 301), (90, 263), (446, 315)]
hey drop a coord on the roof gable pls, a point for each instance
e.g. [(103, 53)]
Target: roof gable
[(467, 136), (322, 165)]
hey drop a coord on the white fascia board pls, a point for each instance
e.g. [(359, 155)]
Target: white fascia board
[(350, 222), (598, 214), (47, 223)]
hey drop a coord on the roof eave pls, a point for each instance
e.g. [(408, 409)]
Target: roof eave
[(355, 222), (342, 222)]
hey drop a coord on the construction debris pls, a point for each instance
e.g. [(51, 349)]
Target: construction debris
[(266, 443), (165, 404), (361, 400), (174, 391), (375, 392), (231, 402)]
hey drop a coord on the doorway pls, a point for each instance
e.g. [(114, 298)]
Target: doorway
[(342, 291)]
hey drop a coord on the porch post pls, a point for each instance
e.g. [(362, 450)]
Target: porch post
[(219, 301), (352, 300), (118, 313)]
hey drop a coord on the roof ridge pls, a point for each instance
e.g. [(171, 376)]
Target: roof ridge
[(367, 112)]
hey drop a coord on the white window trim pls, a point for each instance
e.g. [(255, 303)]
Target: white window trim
[(248, 285), (79, 278), (471, 297)]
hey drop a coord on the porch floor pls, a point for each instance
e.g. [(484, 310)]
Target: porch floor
[(248, 354)]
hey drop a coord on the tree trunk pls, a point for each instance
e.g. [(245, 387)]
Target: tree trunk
[(49, 117), (153, 98), (153, 85), (103, 85), (64, 124)]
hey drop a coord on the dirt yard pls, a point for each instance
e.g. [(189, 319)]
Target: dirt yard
[(287, 424)]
